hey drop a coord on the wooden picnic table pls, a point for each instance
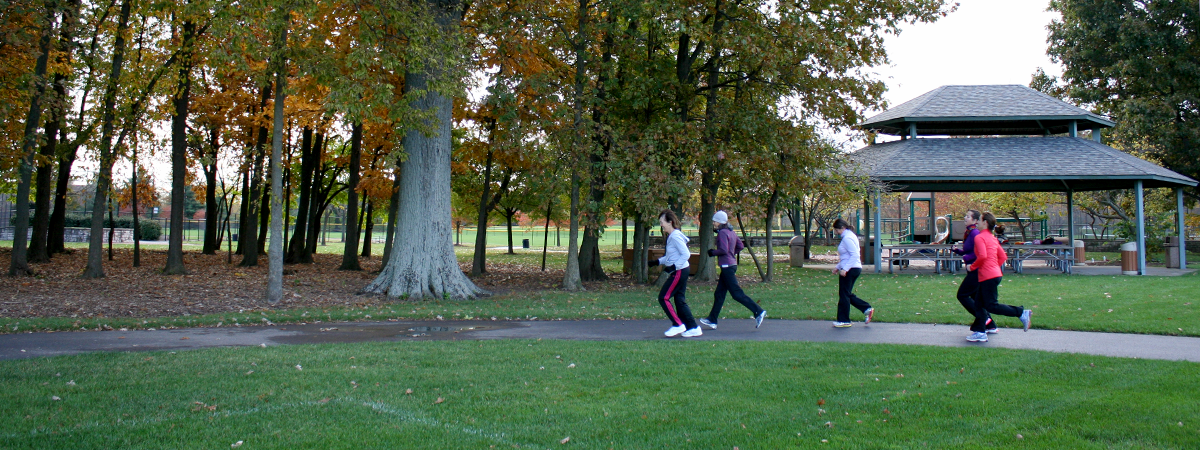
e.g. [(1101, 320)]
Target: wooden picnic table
[(943, 257)]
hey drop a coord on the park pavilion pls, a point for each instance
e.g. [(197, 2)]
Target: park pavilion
[(1021, 140)]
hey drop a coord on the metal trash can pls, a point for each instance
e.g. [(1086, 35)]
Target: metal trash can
[(524, 243), (1172, 249), (796, 251), (866, 251), (1080, 252), (1129, 255)]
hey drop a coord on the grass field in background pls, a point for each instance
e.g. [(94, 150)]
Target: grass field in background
[(566, 394)]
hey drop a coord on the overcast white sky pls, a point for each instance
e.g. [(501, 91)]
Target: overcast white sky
[(984, 42)]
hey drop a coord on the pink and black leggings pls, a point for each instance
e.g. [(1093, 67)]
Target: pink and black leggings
[(676, 285)]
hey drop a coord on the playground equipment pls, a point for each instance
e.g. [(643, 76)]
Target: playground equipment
[(941, 233)]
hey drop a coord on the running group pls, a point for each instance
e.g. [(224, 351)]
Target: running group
[(978, 293)]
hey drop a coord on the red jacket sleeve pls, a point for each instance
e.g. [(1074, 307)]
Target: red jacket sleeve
[(983, 251)]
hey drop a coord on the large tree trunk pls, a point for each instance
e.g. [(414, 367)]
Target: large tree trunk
[(425, 267), (56, 235), (244, 208), (546, 234), (772, 205), (641, 237), (368, 226), (264, 204), (249, 238), (137, 232), (62, 102), (212, 210), (297, 246), (316, 201), (20, 263), (275, 252), (708, 206), (350, 252), (508, 218), (183, 94), (39, 251), (479, 260), (95, 265), (571, 279)]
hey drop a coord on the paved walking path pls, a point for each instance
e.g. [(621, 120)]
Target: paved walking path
[(28, 345)]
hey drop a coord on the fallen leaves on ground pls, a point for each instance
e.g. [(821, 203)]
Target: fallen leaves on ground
[(214, 286)]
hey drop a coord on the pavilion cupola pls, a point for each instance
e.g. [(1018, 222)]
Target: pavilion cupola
[(985, 110)]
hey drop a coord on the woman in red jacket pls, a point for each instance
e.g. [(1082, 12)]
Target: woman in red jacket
[(989, 258)]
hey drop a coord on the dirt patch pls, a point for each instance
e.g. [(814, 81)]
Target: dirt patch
[(215, 286)]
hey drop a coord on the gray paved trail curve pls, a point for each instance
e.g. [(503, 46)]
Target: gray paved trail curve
[(29, 345)]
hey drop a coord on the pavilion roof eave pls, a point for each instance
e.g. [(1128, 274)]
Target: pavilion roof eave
[(1029, 184)]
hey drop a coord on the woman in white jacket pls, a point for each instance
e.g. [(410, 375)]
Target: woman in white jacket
[(675, 263), (848, 268)]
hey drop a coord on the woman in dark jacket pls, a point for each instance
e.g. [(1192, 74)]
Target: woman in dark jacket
[(728, 246)]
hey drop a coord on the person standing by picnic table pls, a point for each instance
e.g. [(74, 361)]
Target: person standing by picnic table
[(848, 269), (968, 291), (728, 246), (989, 258), (675, 263)]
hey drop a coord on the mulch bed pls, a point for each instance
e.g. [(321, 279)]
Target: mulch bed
[(215, 286)]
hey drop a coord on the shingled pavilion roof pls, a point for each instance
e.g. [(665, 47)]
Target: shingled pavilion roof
[(1009, 164), (1009, 109), (1002, 161)]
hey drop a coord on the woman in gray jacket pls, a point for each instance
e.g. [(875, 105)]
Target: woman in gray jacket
[(675, 263)]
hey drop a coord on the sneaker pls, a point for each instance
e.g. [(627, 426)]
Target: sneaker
[(842, 324), (693, 332), (707, 323), (977, 336), (1026, 320), (992, 330), (759, 318), (870, 312), (675, 331)]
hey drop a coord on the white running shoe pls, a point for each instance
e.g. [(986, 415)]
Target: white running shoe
[(693, 332), (977, 336), (842, 324), (675, 331), (707, 323), (870, 312)]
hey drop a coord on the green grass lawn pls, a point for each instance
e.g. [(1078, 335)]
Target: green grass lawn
[(639, 394)]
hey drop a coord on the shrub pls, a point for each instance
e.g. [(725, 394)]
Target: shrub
[(151, 230)]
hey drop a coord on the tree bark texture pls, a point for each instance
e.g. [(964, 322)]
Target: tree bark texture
[(297, 247), (19, 264), (249, 238), (350, 252), (772, 206), (62, 102), (137, 235), (368, 226), (708, 206), (179, 144), (275, 251), (422, 263), (95, 267), (212, 210)]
